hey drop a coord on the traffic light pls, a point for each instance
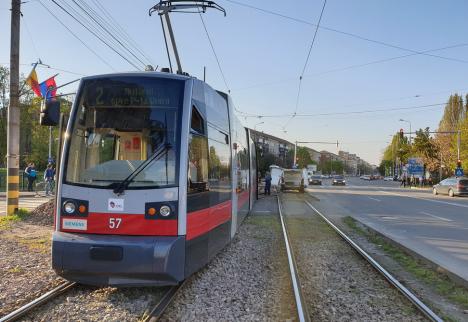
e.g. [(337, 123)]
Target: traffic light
[(50, 112), (459, 164), (401, 133)]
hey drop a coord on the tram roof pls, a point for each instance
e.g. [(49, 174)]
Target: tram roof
[(142, 74)]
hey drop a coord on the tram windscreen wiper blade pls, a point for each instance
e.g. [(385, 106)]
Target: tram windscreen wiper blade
[(121, 186)]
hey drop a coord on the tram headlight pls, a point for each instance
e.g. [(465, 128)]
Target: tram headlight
[(69, 207), (165, 211)]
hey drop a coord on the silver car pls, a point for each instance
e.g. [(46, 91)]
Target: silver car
[(452, 187), (292, 179)]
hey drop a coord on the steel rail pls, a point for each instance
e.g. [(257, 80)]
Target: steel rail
[(299, 298), (16, 314), (159, 309), (407, 293)]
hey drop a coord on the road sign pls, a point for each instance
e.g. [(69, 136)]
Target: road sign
[(416, 167), (459, 172)]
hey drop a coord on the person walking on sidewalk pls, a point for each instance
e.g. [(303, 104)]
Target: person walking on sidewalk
[(49, 174), (31, 175), (403, 181), (267, 183)]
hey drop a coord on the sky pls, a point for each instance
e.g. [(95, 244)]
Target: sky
[(262, 57)]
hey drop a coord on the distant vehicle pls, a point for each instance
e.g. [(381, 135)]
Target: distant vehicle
[(292, 179), (452, 187), (276, 173), (338, 180), (388, 179), (365, 177), (315, 180)]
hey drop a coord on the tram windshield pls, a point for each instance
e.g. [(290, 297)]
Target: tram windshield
[(119, 123)]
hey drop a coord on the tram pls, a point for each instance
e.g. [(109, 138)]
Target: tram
[(156, 175)]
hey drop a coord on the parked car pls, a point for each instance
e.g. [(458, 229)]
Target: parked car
[(338, 180), (365, 177), (452, 186), (388, 179), (315, 180), (292, 179)]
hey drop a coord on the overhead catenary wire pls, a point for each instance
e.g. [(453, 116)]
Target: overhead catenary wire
[(126, 35), (340, 69), (217, 59), (112, 25), (96, 35), (353, 35), (87, 12), (351, 112), (305, 65), (76, 36), (214, 51), (94, 27)]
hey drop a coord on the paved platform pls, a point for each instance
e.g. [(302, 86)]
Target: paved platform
[(29, 201)]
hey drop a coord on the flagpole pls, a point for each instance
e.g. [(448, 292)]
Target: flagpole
[(26, 80)]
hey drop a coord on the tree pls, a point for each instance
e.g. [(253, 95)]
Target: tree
[(303, 157), (425, 147), (452, 120), (4, 102)]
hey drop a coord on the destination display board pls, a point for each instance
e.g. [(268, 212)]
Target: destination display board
[(133, 92)]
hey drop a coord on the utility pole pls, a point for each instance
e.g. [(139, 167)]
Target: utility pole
[(13, 132)]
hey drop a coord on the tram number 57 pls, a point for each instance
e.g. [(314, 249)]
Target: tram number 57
[(114, 223)]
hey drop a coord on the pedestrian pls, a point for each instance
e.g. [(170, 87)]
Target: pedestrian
[(267, 183), (31, 175), (403, 181), (49, 175)]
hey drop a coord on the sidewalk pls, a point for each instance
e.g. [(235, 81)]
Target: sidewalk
[(25, 194)]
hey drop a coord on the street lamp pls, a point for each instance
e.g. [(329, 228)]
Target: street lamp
[(402, 120), (255, 126)]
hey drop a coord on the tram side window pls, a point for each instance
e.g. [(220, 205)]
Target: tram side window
[(198, 155), (197, 123)]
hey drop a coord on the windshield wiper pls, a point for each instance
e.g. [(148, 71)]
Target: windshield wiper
[(121, 186)]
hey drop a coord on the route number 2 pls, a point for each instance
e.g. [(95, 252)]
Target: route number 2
[(114, 223)]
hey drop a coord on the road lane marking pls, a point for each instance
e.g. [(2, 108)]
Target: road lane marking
[(436, 201), (434, 216), (378, 200)]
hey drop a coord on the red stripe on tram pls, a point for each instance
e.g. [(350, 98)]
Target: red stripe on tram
[(124, 224), (202, 221)]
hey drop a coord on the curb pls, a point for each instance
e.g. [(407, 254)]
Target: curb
[(452, 276)]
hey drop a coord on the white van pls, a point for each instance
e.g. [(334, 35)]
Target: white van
[(276, 174)]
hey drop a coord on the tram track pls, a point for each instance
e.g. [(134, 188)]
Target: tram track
[(29, 307), (302, 307), (158, 310), (154, 315)]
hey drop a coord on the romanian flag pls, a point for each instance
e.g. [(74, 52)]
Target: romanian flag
[(48, 88), (33, 83)]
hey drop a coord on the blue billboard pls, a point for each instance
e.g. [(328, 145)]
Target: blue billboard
[(415, 167)]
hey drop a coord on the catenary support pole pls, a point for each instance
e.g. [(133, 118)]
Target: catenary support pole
[(13, 125), (295, 154)]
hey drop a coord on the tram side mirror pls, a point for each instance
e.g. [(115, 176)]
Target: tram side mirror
[(50, 113)]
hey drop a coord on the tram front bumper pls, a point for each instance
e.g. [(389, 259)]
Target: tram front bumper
[(119, 260)]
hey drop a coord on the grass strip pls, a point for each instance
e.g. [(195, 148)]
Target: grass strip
[(439, 281), (7, 221)]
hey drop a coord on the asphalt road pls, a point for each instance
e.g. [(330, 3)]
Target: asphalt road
[(434, 226)]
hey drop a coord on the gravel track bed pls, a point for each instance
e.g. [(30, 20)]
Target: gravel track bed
[(43, 215), (25, 271), (248, 281), (98, 304), (339, 285)]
